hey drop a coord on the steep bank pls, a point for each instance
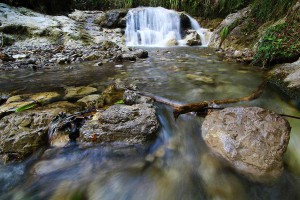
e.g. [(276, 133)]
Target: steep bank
[(247, 37)]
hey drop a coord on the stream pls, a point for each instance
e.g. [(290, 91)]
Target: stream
[(177, 165)]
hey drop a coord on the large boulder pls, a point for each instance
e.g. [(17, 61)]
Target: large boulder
[(23, 133), (132, 124), (231, 21), (252, 139), (112, 19)]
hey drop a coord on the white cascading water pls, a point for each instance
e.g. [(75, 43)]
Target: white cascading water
[(152, 27), (204, 34), (157, 26)]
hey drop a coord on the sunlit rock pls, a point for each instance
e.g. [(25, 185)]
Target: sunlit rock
[(252, 139), (25, 132)]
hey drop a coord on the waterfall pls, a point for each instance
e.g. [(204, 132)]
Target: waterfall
[(204, 34), (152, 27), (157, 26)]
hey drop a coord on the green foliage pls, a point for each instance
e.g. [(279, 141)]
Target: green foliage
[(223, 34), (26, 107), (120, 102), (281, 43), (265, 10), (204, 8)]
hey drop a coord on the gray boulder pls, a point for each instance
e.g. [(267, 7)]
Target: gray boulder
[(132, 124), (252, 139), (287, 78), (112, 19)]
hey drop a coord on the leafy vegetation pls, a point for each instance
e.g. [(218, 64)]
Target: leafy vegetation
[(26, 107), (223, 34), (120, 102), (281, 43), (265, 10)]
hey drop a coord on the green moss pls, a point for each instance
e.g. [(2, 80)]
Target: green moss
[(280, 43)]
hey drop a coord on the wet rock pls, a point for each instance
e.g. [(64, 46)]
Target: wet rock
[(131, 97), (23, 133), (140, 53), (132, 124), (112, 94), (192, 38), (94, 100), (172, 42), (252, 139), (287, 78), (79, 92)]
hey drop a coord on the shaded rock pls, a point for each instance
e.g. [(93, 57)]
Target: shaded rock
[(287, 78), (79, 92), (112, 19), (21, 134), (140, 53), (192, 38), (131, 97), (132, 124), (185, 22), (94, 100), (252, 139)]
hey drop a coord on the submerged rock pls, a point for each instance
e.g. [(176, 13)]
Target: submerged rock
[(200, 78), (79, 92), (23, 133), (252, 139), (132, 124)]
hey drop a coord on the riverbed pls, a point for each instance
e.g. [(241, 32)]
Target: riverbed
[(177, 165)]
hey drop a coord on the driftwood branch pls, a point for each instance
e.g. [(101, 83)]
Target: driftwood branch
[(201, 106)]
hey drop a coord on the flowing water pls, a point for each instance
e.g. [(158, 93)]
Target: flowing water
[(156, 26), (177, 165)]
